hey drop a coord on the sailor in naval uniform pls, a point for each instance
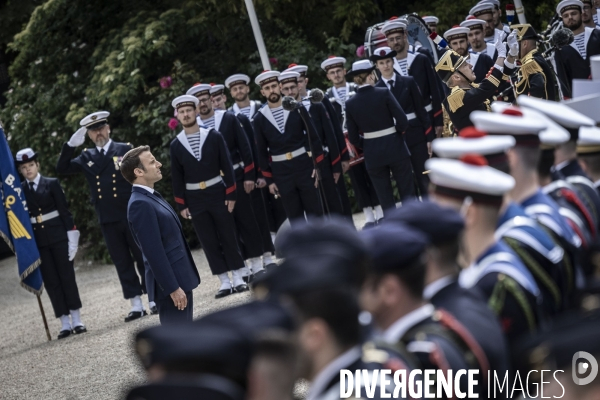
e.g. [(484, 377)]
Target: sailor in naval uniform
[(457, 39), (376, 124), (217, 96), (431, 22), (484, 10), (476, 38), (109, 193), (419, 134), (419, 67), (338, 94), (240, 152), (268, 210), (282, 138), (198, 158), (573, 61), (56, 238)]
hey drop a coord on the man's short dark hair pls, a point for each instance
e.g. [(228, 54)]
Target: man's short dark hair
[(412, 277), (131, 161)]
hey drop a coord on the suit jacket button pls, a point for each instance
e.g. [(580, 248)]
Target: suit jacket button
[(42, 226), (114, 189), (99, 189), (114, 181), (114, 176), (98, 183)]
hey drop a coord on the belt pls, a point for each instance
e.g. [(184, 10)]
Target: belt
[(411, 116), (240, 164), (428, 107), (43, 218), (377, 134), (289, 156), (205, 184)]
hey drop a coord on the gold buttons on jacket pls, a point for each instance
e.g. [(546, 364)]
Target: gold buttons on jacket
[(99, 189), (100, 196), (97, 176), (115, 195), (98, 183), (114, 176)]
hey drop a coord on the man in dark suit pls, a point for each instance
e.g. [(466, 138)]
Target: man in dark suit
[(170, 270), (376, 114), (419, 134), (109, 193)]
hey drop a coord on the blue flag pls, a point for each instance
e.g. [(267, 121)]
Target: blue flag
[(15, 226)]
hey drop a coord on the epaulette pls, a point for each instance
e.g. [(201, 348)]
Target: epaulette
[(455, 98)]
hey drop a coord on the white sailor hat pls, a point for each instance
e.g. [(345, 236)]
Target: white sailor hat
[(587, 105), (471, 176), (216, 89), (360, 67), (560, 113), (333, 62), (381, 53), (301, 69), (25, 155), (552, 135), (267, 77), (430, 19), (588, 143), (288, 76), (185, 100), (512, 122), (496, 3), (473, 23), (95, 120), (473, 141), (237, 79), (199, 89), (567, 5), (393, 25), (456, 32), (484, 7)]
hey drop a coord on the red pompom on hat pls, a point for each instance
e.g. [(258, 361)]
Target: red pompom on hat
[(513, 111), (471, 132), (474, 159)]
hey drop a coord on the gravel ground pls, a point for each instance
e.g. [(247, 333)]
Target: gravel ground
[(99, 364)]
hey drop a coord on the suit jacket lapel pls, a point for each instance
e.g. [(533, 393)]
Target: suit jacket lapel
[(159, 201)]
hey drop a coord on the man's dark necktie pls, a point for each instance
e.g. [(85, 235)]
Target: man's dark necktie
[(391, 82), (31, 184), (102, 152)]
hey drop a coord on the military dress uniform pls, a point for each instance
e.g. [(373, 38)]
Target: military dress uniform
[(286, 143), (199, 186), (419, 131), (461, 102), (55, 235), (376, 114), (109, 193), (363, 188)]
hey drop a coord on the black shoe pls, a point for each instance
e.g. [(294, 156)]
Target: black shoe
[(269, 266), (153, 310), (248, 279), (368, 225), (241, 288), (223, 293), (64, 334), (133, 315), (79, 329)]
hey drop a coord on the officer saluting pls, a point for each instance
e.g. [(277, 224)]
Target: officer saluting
[(57, 239), (109, 193)]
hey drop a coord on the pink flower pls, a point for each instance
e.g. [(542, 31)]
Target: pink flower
[(166, 82), (273, 61), (173, 124), (360, 51)]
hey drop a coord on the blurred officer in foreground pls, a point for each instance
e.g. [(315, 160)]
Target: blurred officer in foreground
[(57, 240), (109, 193)]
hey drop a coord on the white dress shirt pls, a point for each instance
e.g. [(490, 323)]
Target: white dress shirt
[(144, 187), (106, 146), (36, 182)]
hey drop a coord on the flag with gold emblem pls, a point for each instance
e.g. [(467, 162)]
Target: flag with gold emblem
[(15, 227)]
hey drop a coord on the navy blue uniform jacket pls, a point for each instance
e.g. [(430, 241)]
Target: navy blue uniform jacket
[(370, 110), (157, 231), (109, 191)]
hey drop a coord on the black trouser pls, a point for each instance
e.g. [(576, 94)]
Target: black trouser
[(418, 156), (247, 227), (345, 200), (168, 314), (299, 195), (260, 213), (216, 231), (403, 175), (275, 211), (121, 246), (364, 191), (59, 278), (330, 190)]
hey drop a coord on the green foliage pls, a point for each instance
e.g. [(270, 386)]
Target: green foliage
[(73, 58)]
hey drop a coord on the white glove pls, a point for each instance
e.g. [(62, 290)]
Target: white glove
[(500, 48), (513, 44), (73, 243), (78, 137)]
